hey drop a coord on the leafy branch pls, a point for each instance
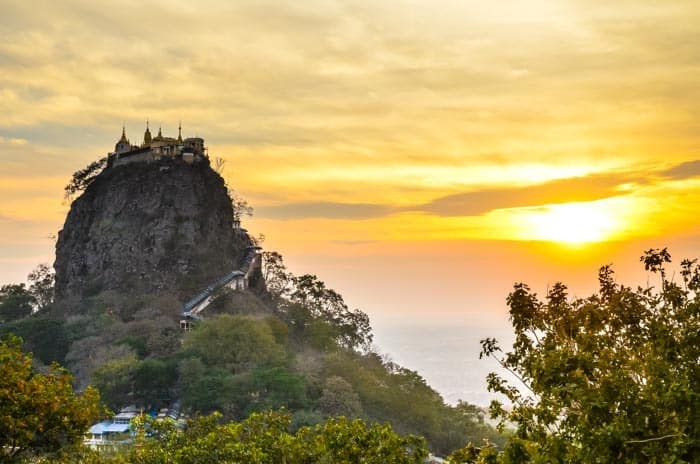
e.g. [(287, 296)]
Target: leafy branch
[(83, 178)]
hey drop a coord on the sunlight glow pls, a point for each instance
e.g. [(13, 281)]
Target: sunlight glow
[(573, 223)]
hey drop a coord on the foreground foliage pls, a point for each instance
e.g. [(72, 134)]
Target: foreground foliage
[(610, 378), (263, 438), (39, 413), (266, 439)]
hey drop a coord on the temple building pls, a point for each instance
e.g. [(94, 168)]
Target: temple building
[(190, 150)]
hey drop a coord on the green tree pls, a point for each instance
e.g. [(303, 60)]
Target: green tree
[(235, 343), (352, 327), (385, 389), (41, 283), (265, 438), (153, 379), (340, 440), (314, 312), (215, 389), (116, 380), (39, 413), (610, 378), (45, 335), (277, 387), (16, 302), (339, 399)]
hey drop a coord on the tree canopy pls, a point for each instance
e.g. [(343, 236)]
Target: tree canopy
[(41, 285), (609, 378), (314, 312), (16, 302), (265, 438), (39, 413)]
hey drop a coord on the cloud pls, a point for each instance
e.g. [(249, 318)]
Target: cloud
[(477, 202), (326, 210), (12, 141), (567, 190), (446, 81), (681, 171), (472, 203), (359, 110), (577, 189)]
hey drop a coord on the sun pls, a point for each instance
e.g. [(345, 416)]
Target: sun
[(572, 223)]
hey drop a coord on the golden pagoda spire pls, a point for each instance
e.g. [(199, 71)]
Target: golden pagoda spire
[(123, 139), (147, 136)]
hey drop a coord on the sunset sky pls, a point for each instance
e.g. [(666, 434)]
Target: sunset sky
[(419, 156)]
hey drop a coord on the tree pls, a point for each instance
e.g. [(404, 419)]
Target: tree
[(339, 399), (215, 390), (39, 413), (311, 308), (353, 327), (153, 380), (16, 302), (341, 440), (41, 283), (84, 177), (277, 279), (265, 438), (610, 378), (219, 165), (45, 335), (277, 387), (240, 206), (235, 343), (115, 379)]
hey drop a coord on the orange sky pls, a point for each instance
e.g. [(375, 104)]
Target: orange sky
[(419, 156)]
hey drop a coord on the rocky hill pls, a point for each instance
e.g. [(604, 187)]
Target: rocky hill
[(145, 237), (149, 229)]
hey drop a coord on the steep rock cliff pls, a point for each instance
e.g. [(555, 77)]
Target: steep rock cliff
[(149, 228)]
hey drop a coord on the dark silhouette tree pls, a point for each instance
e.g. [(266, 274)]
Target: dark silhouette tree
[(16, 302), (84, 177)]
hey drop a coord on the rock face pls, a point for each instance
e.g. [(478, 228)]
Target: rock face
[(149, 228)]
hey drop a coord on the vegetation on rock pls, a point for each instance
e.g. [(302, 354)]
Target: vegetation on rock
[(84, 177)]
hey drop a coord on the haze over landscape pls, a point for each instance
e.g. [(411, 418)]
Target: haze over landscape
[(419, 157)]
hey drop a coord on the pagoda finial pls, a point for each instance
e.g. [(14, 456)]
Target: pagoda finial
[(123, 139), (179, 131), (147, 136)]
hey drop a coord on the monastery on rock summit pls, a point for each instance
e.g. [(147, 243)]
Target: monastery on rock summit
[(190, 150)]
